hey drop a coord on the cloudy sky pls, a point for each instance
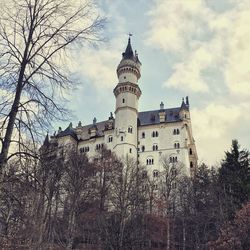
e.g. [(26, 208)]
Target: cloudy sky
[(199, 48)]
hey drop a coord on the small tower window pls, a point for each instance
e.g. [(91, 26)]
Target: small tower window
[(191, 164), (130, 150), (130, 129), (143, 135), (155, 147), (121, 138), (190, 151), (143, 148), (123, 100)]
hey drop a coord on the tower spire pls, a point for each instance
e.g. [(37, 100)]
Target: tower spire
[(128, 54)]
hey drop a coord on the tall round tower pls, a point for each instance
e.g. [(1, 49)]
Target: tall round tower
[(127, 93)]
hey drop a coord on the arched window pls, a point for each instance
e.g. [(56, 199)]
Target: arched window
[(143, 135), (123, 100), (130, 150), (142, 148), (177, 131), (110, 138), (153, 134), (130, 129), (174, 132), (170, 159), (155, 147), (121, 138), (150, 161), (190, 151), (156, 134), (191, 164), (155, 173)]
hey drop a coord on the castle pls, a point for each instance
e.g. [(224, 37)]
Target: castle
[(146, 136)]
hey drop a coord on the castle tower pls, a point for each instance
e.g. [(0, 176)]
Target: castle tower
[(127, 93)]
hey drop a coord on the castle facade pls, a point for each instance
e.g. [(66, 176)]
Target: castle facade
[(147, 137)]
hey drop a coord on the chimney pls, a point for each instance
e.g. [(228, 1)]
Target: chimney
[(162, 113)]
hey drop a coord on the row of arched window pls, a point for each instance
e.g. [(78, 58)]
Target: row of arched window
[(150, 161), (173, 159), (155, 148), (85, 149), (176, 131), (99, 146), (128, 69), (124, 88), (177, 145)]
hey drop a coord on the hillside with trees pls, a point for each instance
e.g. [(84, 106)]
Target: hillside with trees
[(70, 202)]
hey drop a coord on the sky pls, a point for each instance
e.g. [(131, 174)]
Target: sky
[(195, 48)]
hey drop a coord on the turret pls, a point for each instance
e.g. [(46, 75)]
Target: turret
[(127, 93)]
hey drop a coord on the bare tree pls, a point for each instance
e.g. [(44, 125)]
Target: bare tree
[(34, 38)]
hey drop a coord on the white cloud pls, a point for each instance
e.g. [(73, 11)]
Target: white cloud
[(198, 37), (215, 126)]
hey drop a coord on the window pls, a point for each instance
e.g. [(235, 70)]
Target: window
[(130, 150), (191, 164), (130, 129), (176, 131), (150, 161), (155, 187), (177, 145), (123, 100), (190, 151), (155, 147), (99, 146), (143, 135), (142, 148), (155, 173), (155, 134), (121, 138), (110, 138), (173, 159)]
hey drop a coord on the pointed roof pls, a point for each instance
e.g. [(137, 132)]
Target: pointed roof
[(128, 54), (183, 105)]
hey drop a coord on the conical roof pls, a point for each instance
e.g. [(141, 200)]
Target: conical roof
[(128, 54)]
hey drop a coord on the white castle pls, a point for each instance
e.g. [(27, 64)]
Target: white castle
[(146, 136)]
